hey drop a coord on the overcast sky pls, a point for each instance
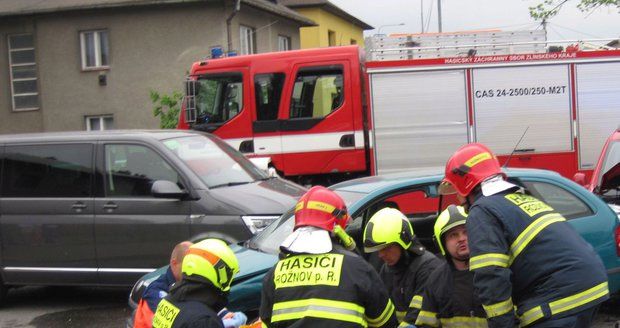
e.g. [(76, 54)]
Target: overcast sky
[(460, 15)]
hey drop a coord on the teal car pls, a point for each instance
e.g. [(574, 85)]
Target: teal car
[(415, 194)]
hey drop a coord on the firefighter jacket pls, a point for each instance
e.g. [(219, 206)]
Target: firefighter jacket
[(448, 300), (335, 289), (190, 305), (408, 278), (151, 297), (525, 254)]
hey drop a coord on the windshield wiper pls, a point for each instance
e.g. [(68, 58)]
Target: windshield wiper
[(229, 184)]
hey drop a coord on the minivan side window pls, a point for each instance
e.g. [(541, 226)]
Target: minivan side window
[(58, 170), (130, 170), (317, 92), (562, 201)]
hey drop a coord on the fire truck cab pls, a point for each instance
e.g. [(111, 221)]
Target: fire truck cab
[(303, 109)]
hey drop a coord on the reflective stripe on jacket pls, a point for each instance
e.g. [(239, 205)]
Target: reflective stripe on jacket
[(337, 289), (407, 278), (524, 254), (448, 301)]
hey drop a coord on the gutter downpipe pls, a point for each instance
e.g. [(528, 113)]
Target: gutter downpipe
[(229, 22)]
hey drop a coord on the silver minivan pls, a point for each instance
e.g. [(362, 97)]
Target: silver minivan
[(104, 208)]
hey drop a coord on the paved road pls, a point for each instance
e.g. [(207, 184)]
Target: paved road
[(56, 307)]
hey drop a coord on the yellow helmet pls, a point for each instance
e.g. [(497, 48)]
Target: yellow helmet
[(213, 260), (387, 226), (451, 217)]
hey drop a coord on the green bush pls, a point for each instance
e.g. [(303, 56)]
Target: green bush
[(167, 108)]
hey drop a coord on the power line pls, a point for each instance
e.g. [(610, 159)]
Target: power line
[(576, 31), (430, 13), (556, 31)]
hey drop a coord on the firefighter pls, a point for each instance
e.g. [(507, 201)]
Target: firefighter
[(407, 265), (523, 253), (449, 299), (158, 289), (318, 283), (208, 270)]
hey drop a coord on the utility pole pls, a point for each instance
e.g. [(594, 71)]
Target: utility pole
[(439, 14)]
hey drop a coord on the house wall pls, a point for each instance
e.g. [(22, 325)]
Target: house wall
[(151, 48), (267, 27), (317, 36)]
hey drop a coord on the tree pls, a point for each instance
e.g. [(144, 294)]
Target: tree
[(550, 8), (167, 108)]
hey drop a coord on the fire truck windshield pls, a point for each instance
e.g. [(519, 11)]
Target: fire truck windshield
[(218, 98)]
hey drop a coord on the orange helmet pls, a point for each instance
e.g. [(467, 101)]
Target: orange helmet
[(467, 168), (321, 208)]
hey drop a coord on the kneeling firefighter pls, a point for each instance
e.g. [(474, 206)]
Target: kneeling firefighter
[(407, 265), (208, 270)]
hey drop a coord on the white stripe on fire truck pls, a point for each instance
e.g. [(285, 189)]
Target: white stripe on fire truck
[(300, 143)]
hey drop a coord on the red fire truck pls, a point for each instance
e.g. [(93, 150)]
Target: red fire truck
[(324, 115)]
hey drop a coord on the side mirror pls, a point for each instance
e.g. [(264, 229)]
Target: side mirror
[(580, 178), (263, 164), (166, 189)]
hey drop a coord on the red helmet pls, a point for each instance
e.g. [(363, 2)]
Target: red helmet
[(321, 208), (467, 168)]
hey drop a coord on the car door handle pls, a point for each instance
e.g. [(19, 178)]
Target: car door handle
[(78, 206), (110, 206)]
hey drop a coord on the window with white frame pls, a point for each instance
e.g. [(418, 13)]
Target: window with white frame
[(247, 43), (95, 49), (284, 43), (23, 72), (99, 123)]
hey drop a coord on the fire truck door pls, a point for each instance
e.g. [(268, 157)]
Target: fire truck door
[(318, 134), (268, 89)]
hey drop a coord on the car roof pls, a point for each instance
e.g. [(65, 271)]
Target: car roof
[(96, 135)]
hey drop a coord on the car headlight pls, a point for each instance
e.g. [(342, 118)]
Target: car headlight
[(257, 223)]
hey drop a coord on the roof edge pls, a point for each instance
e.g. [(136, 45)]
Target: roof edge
[(333, 9)]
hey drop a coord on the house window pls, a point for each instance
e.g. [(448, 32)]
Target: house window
[(331, 38), (284, 43), (95, 49), (98, 123), (247, 41), (353, 41), (23, 68)]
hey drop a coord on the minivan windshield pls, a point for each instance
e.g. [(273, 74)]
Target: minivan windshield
[(269, 240), (214, 161)]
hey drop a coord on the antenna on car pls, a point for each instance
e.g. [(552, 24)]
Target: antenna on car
[(515, 148)]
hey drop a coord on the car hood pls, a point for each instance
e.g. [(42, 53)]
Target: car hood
[(610, 180), (252, 263), (272, 196)]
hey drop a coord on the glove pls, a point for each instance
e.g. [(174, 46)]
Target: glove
[(234, 320)]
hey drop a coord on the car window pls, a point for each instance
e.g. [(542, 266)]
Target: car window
[(48, 171), (417, 205), (563, 201), (132, 169)]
